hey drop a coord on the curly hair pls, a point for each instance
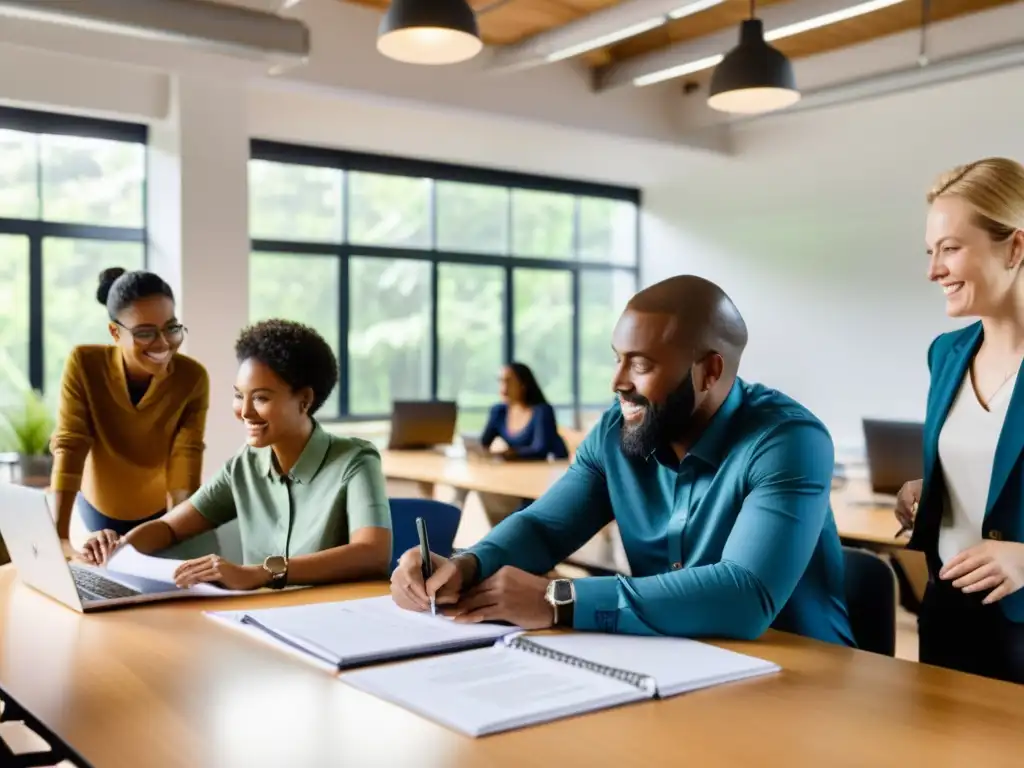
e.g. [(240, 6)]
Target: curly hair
[(295, 352)]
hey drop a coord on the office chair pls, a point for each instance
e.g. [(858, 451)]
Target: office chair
[(442, 522), (871, 598)]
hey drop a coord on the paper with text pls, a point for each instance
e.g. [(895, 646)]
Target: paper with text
[(493, 689)]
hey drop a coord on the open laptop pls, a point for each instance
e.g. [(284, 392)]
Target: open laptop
[(894, 452), (32, 542), (419, 424)]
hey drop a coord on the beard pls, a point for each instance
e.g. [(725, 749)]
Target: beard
[(662, 422)]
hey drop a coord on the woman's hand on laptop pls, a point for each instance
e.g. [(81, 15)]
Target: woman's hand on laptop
[(101, 546)]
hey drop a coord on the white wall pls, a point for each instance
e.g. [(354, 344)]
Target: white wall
[(816, 229)]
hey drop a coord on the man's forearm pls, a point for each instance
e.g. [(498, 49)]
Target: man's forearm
[(469, 568)]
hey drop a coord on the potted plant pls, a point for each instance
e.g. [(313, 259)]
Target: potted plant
[(25, 429)]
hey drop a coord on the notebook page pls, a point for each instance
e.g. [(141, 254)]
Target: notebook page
[(494, 689), (360, 631), (676, 664)]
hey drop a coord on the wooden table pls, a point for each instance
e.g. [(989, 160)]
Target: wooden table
[(859, 519), (161, 686)]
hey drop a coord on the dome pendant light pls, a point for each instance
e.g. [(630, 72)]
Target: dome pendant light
[(754, 77), (429, 32)]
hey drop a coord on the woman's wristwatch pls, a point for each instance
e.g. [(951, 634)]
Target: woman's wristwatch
[(277, 567)]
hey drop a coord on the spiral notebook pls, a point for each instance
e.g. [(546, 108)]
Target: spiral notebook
[(522, 681), (353, 633)]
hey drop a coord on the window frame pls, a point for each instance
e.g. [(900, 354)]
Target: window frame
[(348, 161), (37, 230)]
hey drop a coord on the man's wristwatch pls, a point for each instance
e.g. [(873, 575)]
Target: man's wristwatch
[(277, 567), (561, 596)]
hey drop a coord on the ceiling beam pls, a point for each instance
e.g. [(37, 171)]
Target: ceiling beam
[(224, 28), (704, 49), (596, 30)]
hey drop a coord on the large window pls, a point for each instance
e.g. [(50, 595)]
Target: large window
[(426, 278), (72, 203)]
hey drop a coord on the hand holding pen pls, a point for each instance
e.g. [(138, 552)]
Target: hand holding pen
[(426, 565)]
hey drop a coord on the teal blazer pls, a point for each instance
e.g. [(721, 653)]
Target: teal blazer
[(949, 357)]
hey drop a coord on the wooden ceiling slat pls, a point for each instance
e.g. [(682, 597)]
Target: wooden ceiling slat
[(517, 20)]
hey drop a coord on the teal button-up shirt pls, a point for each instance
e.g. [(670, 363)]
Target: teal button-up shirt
[(737, 537)]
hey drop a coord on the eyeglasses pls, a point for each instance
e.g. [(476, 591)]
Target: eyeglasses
[(145, 335)]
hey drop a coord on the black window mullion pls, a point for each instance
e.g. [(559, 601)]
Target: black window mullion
[(435, 340), (576, 348), (344, 321), (36, 367), (509, 307)]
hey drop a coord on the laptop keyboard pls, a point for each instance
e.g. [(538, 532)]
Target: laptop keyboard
[(92, 586)]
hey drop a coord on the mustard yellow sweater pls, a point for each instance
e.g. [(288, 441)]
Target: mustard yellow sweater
[(125, 458)]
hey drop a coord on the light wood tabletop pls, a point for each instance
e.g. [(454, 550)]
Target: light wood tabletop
[(858, 516), (162, 686)]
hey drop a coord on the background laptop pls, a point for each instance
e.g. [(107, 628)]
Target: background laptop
[(31, 536), (422, 424), (894, 452)]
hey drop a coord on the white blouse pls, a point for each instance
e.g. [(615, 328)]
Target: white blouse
[(967, 447)]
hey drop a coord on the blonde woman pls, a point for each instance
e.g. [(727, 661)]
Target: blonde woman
[(967, 512)]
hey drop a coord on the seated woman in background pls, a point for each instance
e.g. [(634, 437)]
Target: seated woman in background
[(128, 442), (523, 420), (525, 423), (311, 506)]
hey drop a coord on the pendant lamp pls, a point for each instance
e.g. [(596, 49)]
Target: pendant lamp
[(429, 32), (754, 77)]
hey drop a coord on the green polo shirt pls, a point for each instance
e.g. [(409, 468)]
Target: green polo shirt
[(335, 488)]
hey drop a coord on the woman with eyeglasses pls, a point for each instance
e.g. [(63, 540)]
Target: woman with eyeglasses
[(128, 444)]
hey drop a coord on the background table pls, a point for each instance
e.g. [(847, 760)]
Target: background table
[(161, 686)]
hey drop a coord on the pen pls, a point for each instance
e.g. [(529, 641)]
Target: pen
[(428, 570)]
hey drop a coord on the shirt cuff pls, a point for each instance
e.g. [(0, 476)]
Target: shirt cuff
[(597, 604)]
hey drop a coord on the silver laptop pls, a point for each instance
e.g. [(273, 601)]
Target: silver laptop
[(31, 536)]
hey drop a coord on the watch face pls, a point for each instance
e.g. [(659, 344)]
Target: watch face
[(276, 565), (563, 591)]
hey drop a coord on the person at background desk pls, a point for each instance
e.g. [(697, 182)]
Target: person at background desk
[(720, 489), (969, 505), (522, 427), (128, 442), (524, 420), (311, 506)]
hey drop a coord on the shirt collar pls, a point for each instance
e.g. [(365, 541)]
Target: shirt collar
[(310, 460), (713, 444)]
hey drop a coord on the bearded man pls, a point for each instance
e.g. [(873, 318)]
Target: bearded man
[(720, 489)]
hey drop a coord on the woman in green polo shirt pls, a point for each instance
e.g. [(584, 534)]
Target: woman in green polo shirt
[(311, 506)]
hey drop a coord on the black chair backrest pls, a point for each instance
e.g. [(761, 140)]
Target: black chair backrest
[(871, 596)]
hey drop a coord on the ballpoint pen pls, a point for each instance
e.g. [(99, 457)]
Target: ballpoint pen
[(427, 567)]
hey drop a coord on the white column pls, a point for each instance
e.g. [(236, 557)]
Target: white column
[(197, 198)]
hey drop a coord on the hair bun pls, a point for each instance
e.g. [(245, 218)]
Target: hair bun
[(107, 278)]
